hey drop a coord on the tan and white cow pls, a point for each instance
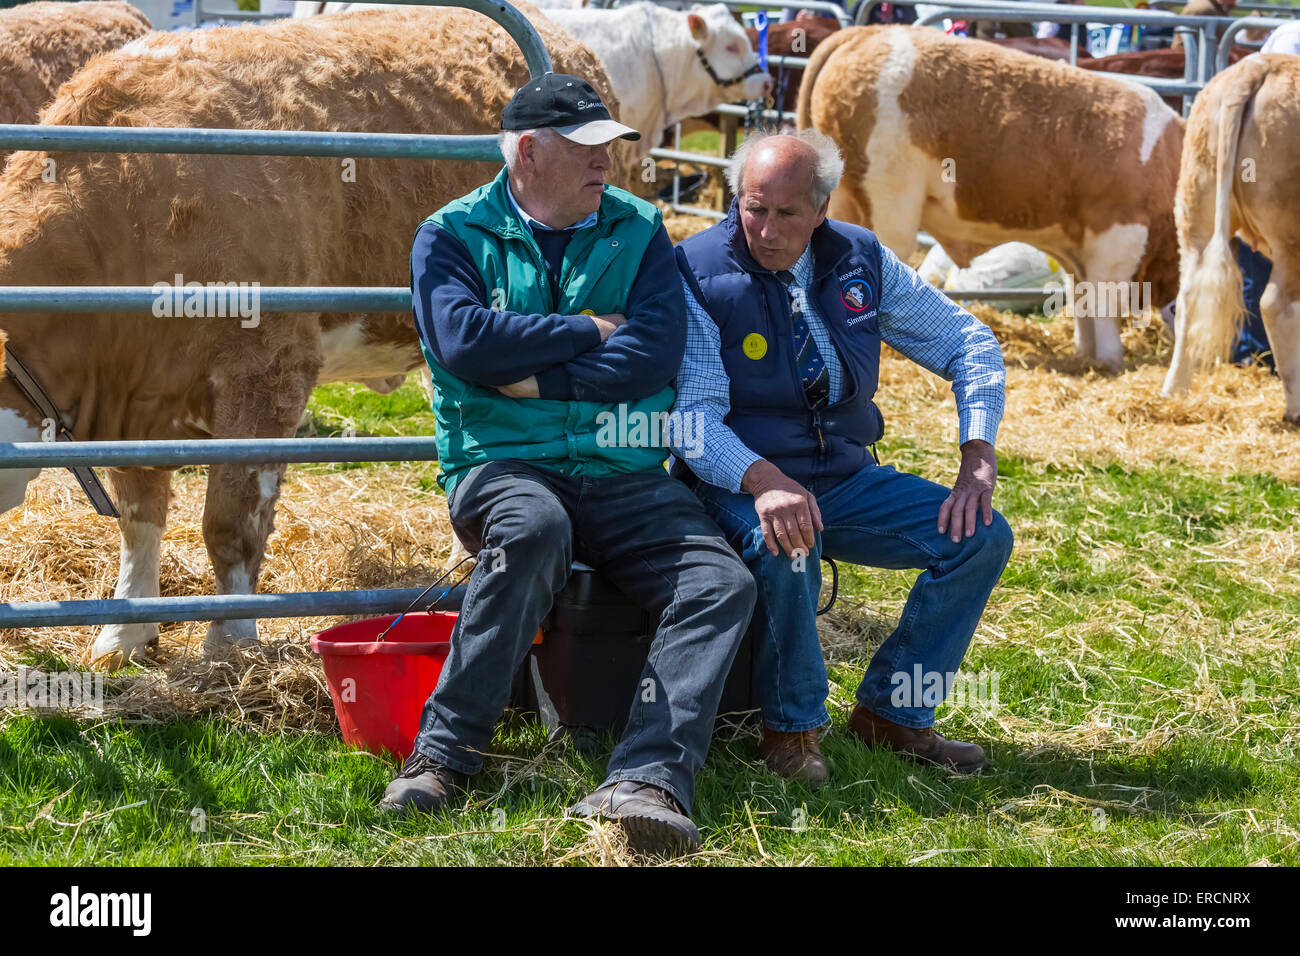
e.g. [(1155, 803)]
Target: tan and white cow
[(44, 43), (1240, 174), (981, 145), (139, 219)]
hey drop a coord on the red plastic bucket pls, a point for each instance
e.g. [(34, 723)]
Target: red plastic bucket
[(379, 688)]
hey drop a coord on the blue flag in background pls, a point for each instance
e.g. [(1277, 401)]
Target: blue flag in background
[(760, 24)]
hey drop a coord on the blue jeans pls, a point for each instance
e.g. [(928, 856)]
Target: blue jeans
[(1252, 341), (879, 517), (648, 536)]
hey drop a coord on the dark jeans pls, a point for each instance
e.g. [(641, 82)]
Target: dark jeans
[(1252, 341), (645, 533)]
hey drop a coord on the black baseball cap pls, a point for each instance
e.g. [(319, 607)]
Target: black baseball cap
[(566, 104)]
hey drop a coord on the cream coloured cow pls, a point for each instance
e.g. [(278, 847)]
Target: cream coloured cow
[(669, 65), (137, 219), (1240, 174), (981, 145)]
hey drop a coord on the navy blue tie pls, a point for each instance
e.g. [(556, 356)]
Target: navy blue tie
[(808, 358)]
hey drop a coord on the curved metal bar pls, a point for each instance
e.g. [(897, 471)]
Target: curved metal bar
[(1236, 26), (515, 23)]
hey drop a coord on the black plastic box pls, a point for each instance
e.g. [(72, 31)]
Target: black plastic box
[(587, 669)]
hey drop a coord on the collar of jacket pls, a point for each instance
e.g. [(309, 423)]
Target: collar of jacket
[(497, 214), (829, 246)]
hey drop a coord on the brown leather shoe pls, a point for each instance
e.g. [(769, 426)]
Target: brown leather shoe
[(917, 743), (795, 756)]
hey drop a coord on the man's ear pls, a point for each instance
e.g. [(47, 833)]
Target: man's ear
[(821, 213), (699, 29), (527, 148)]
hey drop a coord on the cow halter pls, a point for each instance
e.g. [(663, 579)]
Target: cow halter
[(713, 74), (31, 388)]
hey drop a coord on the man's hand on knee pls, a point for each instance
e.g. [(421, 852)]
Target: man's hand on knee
[(787, 512), (972, 492)]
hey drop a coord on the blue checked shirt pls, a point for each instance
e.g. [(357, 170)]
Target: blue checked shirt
[(916, 319)]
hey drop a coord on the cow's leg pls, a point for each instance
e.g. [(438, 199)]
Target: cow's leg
[(1085, 336), (1109, 347), (1179, 376), (1110, 262), (897, 219), (141, 496), (237, 519), (1280, 309), (239, 511)]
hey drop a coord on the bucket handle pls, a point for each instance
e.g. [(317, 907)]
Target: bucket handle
[(419, 597)]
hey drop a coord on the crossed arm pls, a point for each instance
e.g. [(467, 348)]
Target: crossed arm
[(608, 358)]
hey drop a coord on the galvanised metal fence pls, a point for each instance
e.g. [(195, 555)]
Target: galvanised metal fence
[(27, 455)]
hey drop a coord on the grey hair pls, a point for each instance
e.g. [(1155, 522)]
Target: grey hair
[(826, 174), (508, 140)]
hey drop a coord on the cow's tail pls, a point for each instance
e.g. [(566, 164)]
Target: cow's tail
[(1212, 287), (803, 111)]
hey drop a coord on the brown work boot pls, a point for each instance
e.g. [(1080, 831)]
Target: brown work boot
[(918, 743), (422, 785), (796, 756), (650, 816)]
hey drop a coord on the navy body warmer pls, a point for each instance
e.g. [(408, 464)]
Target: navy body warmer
[(769, 410)]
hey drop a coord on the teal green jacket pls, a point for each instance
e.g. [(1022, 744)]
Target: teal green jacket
[(486, 317)]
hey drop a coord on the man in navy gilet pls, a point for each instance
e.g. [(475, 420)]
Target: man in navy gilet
[(786, 313)]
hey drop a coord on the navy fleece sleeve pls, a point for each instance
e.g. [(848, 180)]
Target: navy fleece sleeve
[(485, 346), (641, 357)]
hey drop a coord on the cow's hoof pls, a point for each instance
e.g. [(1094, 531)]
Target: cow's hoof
[(1109, 364), (118, 643), (225, 635), (1292, 420)]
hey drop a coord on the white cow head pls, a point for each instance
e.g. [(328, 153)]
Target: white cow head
[(724, 47), (14, 426)]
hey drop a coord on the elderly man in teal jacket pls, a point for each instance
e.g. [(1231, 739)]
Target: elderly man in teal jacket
[(551, 316)]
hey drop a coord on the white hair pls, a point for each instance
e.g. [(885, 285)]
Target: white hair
[(826, 173), (508, 141)]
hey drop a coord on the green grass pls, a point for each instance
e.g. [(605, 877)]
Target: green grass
[(1147, 713)]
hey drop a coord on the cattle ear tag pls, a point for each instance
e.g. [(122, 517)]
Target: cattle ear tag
[(754, 345)]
